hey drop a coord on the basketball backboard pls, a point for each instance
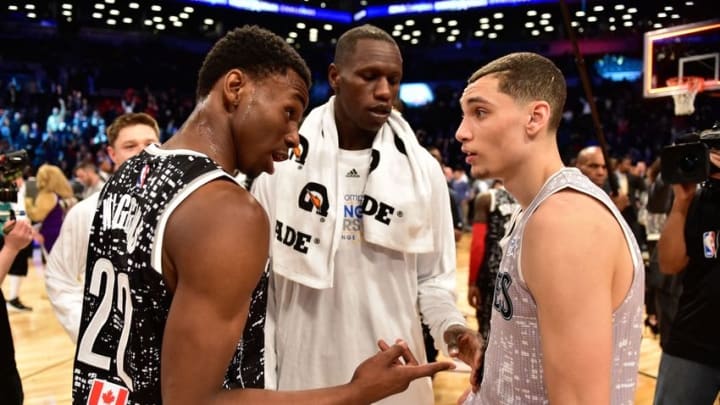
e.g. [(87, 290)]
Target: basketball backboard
[(679, 52)]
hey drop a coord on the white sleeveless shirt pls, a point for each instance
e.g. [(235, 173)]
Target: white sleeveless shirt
[(513, 372)]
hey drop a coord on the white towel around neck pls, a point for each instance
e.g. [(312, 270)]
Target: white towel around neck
[(397, 198)]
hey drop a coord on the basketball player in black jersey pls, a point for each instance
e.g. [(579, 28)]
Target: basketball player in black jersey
[(177, 248)]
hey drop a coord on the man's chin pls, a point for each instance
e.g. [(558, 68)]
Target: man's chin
[(480, 173)]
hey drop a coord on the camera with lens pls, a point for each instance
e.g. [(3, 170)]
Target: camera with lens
[(11, 167), (688, 160)]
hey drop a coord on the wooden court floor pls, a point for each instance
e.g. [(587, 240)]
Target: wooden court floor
[(44, 352)]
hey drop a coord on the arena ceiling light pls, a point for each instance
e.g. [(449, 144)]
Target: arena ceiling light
[(99, 6), (208, 21), (160, 27), (328, 27), (492, 35), (30, 6), (452, 23), (97, 15), (479, 33), (127, 20), (114, 12), (498, 16), (156, 8), (188, 9), (300, 25), (110, 21), (414, 41), (409, 23), (134, 6), (436, 20), (598, 8), (31, 15), (67, 6), (110, 2), (619, 7), (12, 7), (441, 30), (531, 13)]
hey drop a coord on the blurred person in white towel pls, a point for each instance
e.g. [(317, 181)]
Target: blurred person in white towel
[(363, 238)]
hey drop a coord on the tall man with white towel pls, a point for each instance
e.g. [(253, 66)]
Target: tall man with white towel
[(362, 238)]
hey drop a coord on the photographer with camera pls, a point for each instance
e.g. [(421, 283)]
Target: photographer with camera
[(690, 365), (17, 235), (12, 204)]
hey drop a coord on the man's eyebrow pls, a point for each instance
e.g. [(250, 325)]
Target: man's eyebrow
[(474, 100)]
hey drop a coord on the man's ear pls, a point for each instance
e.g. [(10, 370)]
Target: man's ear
[(539, 116), (111, 153), (234, 82), (333, 76)]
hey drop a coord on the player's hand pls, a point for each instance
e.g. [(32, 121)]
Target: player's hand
[(474, 296), (391, 371), (463, 343)]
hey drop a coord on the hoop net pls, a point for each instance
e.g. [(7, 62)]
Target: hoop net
[(685, 98)]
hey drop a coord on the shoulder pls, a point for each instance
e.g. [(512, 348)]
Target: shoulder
[(571, 237), (568, 210), (85, 208), (224, 203)]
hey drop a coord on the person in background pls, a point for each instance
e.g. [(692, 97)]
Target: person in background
[(127, 136), (87, 174), (54, 198)]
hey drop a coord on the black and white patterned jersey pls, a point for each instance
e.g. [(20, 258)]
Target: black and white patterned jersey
[(126, 299)]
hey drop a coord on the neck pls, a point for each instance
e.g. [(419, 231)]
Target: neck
[(525, 183), (201, 133), (350, 136)]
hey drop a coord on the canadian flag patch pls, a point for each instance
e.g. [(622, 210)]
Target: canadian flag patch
[(107, 393)]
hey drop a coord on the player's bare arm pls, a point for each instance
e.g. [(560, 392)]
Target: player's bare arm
[(210, 306), (577, 265)]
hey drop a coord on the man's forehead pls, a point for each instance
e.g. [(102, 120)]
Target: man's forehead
[(476, 91)]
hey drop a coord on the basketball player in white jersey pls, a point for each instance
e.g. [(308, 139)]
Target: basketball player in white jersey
[(567, 318)]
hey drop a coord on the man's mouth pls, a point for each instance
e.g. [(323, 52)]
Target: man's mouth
[(280, 156)]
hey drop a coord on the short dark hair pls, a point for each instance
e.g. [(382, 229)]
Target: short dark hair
[(254, 50), (527, 76), (347, 41), (128, 120), (87, 166)]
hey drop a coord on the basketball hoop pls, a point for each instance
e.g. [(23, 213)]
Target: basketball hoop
[(688, 88)]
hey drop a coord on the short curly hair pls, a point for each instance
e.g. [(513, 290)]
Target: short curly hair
[(253, 50)]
